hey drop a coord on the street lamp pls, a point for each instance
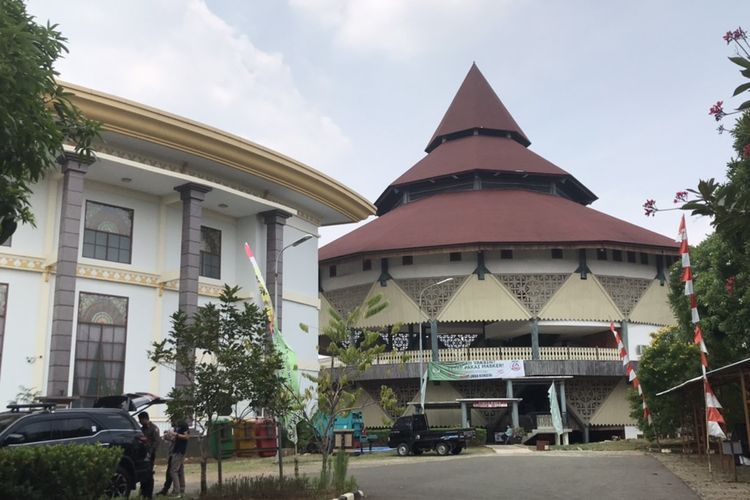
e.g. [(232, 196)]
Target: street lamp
[(421, 352), (295, 243)]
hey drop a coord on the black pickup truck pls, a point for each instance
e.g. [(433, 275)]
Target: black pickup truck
[(411, 434)]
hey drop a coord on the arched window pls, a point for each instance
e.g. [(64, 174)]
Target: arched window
[(100, 347)]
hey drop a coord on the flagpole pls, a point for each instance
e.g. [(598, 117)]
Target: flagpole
[(712, 405)]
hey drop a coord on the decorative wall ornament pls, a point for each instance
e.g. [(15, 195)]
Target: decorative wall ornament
[(405, 390), (625, 292), (117, 275), (346, 299), (434, 298), (23, 263), (533, 290), (356, 335), (400, 341), (457, 341), (585, 395)]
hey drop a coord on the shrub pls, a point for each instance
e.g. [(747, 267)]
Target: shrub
[(61, 472), (480, 437)]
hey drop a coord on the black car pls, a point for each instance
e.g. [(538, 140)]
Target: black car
[(412, 434), (43, 424)]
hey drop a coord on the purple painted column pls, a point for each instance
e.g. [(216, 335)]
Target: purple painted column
[(275, 221), (61, 338), (192, 196)]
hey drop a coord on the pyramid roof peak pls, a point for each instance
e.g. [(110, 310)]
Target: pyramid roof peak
[(476, 106)]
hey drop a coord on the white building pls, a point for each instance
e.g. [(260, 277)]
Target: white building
[(157, 222)]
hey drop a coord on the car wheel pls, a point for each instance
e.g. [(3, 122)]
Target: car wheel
[(456, 450), (442, 449), (119, 485), (402, 450)]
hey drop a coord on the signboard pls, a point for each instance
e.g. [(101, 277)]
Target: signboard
[(490, 404), (475, 370)]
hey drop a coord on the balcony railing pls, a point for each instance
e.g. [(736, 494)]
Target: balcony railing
[(500, 353)]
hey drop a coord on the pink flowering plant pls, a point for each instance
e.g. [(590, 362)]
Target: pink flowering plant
[(727, 203)]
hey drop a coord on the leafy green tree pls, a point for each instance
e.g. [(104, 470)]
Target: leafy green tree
[(720, 281), (669, 360), (228, 362), (36, 115), (352, 350)]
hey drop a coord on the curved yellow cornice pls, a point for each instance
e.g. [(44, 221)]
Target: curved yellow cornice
[(136, 120)]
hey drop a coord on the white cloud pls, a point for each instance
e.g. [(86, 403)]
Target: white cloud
[(396, 28), (179, 56)]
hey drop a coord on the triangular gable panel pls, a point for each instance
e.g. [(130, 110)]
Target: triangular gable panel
[(581, 299), (483, 300), (372, 412), (653, 308), (615, 410), (445, 391), (400, 309), (324, 318)]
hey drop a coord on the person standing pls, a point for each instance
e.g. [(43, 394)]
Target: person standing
[(152, 436), (177, 462), (169, 437)]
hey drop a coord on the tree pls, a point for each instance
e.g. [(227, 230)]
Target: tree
[(668, 361), (355, 350), (227, 360), (36, 115)]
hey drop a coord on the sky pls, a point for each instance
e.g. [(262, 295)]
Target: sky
[(615, 93)]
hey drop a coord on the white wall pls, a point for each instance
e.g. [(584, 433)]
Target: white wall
[(638, 335), (26, 322)]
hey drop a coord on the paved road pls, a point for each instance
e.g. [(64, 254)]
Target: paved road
[(538, 476)]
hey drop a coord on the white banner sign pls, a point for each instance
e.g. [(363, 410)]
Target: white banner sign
[(476, 370)]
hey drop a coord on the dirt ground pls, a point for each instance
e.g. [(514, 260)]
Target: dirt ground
[(693, 470)]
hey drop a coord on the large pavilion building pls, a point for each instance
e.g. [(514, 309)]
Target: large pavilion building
[(157, 222), (493, 253)]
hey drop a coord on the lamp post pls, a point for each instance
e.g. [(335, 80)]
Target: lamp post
[(295, 243), (421, 352)]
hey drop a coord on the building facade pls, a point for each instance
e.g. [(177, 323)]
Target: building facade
[(157, 222), (492, 252)]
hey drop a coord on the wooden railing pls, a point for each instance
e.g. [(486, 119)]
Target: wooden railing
[(499, 353)]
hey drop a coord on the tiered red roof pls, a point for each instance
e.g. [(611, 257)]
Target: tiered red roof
[(491, 218)]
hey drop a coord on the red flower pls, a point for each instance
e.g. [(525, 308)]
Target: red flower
[(717, 110), (650, 208), (739, 33), (746, 151), (729, 285), (680, 196), (728, 37)]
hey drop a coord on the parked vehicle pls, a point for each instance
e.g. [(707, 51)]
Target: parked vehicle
[(108, 425), (352, 421), (412, 434)]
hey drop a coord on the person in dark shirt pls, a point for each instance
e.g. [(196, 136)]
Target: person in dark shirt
[(152, 436), (177, 458)]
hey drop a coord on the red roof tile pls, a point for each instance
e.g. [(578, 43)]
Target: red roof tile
[(476, 106), (487, 217), (478, 152)]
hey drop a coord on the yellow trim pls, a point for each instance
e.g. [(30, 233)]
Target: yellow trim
[(579, 299), (483, 300), (400, 309), (653, 307), (138, 121)]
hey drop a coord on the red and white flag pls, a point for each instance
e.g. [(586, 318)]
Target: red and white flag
[(630, 371), (714, 418)]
